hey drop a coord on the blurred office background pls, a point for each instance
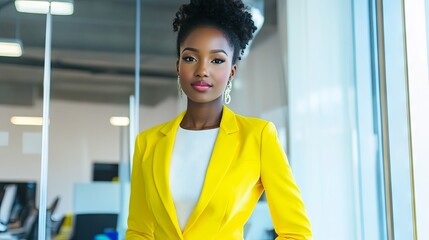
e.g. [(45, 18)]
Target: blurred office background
[(345, 82)]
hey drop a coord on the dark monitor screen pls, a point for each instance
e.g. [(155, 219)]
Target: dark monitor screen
[(106, 172)]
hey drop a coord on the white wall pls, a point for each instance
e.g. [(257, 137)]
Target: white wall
[(80, 134), (259, 85), (259, 90)]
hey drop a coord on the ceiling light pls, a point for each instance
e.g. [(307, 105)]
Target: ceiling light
[(10, 48), (58, 7), (120, 121), (27, 121)]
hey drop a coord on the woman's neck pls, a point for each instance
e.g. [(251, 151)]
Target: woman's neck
[(202, 116)]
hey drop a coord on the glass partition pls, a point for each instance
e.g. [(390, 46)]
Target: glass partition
[(93, 54), (20, 145), (323, 102), (20, 130)]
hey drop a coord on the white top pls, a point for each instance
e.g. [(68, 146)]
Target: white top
[(189, 161)]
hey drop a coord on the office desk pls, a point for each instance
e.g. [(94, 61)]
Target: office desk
[(7, 236)]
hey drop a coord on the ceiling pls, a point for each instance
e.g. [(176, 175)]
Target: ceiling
[(93, 51)]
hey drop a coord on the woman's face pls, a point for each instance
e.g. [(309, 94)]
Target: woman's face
[(205, 65)]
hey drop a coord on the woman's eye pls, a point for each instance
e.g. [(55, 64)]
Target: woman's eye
[(188, 59), (218, 61)]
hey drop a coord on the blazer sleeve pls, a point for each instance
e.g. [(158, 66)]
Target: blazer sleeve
[(139, 225), (284, 198)]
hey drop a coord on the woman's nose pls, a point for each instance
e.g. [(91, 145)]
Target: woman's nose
[(201, 70)]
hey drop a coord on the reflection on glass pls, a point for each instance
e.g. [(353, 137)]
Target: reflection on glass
[(20, 145)]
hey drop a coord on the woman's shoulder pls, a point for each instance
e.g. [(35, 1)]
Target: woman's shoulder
[(256, 127), (154, 130), (251, 121), (254, 124)]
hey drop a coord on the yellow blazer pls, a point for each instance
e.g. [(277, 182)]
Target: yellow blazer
[(247, 159)]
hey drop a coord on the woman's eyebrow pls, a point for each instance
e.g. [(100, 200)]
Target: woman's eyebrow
[(218, 51), (190, 49), (212, 51)]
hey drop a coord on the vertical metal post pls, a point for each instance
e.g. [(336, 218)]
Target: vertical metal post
[(132, 134), (357, 163), (124, 182), (137, 70), (384, 121), (417, 89), (410, 143), (45, 128)]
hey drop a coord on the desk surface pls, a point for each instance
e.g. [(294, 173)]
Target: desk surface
[(7, 236)]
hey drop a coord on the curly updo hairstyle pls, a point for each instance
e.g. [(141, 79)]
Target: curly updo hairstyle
[(229, 16)]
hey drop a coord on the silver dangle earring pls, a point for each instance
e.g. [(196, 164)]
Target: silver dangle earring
[(228, 89), (179, 87)]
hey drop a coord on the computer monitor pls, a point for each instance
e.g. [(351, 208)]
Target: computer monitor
[(106, 172)]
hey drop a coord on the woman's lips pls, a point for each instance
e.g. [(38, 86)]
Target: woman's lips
[(201, 86)]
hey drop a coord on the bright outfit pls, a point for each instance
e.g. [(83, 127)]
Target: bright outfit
[(247, 159)]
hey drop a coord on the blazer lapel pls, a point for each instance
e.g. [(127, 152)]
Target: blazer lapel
[(222, 156), (161, 166)]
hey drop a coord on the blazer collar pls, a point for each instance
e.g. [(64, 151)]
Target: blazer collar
[(228, 122), (220, 161)]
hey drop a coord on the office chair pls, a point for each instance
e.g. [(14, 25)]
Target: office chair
[(1, 195), (2, 227), (86, 226), (6, 205), (28, 224), (54, 205), (29, 228)]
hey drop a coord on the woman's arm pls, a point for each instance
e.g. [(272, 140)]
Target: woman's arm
[(283, 196), (139, 225)]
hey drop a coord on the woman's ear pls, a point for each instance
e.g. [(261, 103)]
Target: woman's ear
[(233, 70)]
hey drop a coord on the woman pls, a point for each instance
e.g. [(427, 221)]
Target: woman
[(200, 175)]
